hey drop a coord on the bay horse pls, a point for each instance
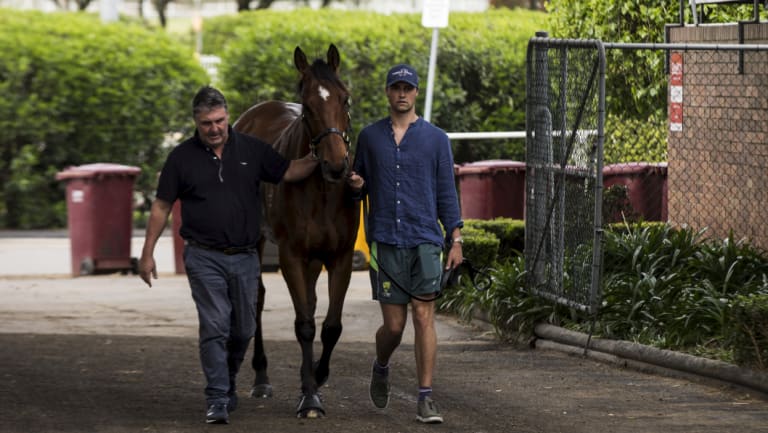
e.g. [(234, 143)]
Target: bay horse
[(314, 222)]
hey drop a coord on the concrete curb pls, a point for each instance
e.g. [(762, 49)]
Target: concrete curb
[(641, 356)]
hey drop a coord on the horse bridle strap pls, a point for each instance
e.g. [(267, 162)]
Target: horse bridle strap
[(319, 137), (315, 141)]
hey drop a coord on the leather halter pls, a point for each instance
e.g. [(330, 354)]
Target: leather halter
[(314, 142)]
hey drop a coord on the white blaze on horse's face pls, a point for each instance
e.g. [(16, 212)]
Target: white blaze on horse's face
[(323, 92)]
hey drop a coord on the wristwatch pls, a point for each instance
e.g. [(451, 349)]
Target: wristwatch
[(457, 239)]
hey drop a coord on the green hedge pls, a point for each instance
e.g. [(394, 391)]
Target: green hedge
[(480, 246), (510, 232), (480, 79), (78, 91), (632, 140)]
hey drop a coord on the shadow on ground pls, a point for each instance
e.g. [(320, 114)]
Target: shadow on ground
[(109, 384)]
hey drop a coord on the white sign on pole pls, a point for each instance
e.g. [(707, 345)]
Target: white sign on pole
[(108, 10), (435, 14)]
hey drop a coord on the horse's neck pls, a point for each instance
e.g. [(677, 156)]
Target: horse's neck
[(294, 142)]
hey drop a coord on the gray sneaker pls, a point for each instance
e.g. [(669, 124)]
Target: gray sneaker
[(379, 389), (428, 413)]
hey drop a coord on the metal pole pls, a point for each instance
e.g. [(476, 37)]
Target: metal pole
[(431, 74), (197, 26)]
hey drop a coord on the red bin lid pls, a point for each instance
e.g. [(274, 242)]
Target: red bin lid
[(634, 168), (491, 166), (97, 169)]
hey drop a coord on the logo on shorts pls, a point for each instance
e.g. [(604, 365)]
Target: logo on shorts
[(386, 289)]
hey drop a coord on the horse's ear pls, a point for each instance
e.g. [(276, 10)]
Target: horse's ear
[(300, 59), (333, 57)]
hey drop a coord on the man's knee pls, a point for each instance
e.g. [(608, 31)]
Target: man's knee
[(392, 332), (423, 314)]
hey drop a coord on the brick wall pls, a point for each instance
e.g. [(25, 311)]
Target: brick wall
[(718, 163)]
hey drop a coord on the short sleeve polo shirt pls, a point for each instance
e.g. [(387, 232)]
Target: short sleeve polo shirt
[(220, 199)]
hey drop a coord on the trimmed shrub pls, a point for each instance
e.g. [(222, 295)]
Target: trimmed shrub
[(480, 246), (510, 232), (79, 91)]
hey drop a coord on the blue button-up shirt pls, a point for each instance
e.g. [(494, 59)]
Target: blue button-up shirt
[(410, 187)]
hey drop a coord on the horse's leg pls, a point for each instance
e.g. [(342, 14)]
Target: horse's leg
[(261, 386), (301, 284), (339, 275)]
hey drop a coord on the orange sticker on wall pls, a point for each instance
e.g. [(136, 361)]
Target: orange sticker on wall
[(676, 69)]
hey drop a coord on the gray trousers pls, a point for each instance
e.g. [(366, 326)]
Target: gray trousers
[(224, 290)]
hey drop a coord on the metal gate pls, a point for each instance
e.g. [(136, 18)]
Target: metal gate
[(565, 115)]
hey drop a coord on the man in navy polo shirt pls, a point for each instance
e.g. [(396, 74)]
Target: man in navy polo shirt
[(216, 175)]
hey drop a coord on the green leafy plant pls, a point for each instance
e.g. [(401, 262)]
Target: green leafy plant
[(673, 288), (748, 329)]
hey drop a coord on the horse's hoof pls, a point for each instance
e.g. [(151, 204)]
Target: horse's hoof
[(262, 390), (310, 407), (311, 413)]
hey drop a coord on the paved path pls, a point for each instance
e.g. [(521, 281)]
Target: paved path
[(107, 353), (47, 253), (39, 295)]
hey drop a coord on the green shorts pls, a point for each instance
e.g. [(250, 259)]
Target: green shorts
[(399, 274)]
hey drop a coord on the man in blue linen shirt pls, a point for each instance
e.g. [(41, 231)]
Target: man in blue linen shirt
[(404, 165)]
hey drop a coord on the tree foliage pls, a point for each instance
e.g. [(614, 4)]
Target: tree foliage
[(635, 79), (636, 84), (77, 91), (479, 82)]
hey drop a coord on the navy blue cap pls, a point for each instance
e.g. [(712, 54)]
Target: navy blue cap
[(404, 73)]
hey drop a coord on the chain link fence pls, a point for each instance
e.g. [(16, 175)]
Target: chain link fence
[(707, 169), (705, 166)]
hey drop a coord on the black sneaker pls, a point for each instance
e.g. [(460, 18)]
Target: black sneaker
[(379, 389), (217, 414)]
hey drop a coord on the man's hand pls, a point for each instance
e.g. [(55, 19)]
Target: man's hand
[(355, 181), (300, 168), (455, 256), (147, 269)]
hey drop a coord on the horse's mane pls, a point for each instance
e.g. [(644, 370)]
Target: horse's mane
[(322, 71)]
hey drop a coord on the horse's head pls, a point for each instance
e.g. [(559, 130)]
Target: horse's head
[(325, 112)]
